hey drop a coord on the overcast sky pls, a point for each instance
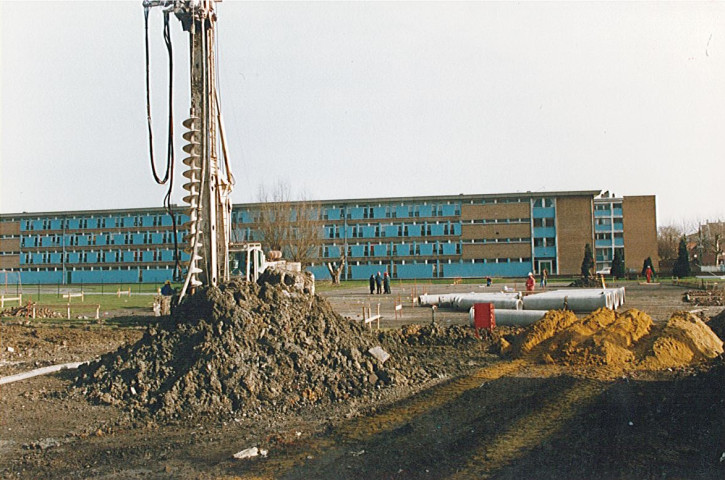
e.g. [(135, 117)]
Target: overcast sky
[(376, 99)]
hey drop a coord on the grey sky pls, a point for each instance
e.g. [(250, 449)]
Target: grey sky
[(377, 99)]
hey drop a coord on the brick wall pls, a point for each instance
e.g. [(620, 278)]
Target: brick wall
[(574, 230), (640, 231)]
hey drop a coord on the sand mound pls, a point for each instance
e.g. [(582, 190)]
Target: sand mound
[(685, 339), (627, 339), (551, 324), (241, 348)]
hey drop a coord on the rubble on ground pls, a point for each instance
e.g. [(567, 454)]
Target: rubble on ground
[(587, 282), (27, 311), (704, 298)]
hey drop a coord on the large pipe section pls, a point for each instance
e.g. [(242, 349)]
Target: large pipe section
[(579, 300), (464, 301), (514, 318)]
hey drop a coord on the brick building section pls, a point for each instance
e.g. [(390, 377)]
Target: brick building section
[(10, 245), (574, 227), (640, 231)]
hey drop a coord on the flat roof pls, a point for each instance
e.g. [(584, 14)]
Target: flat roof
[(430, 198)]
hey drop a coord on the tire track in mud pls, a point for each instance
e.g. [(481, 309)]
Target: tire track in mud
[(331, 446), (527, 432)]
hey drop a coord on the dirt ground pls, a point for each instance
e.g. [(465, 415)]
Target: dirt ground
[(483, 417)]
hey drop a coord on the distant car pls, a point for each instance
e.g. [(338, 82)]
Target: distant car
[(604, 271)]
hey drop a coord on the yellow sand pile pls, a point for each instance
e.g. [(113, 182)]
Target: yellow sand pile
[(627, 339), (685, 339)]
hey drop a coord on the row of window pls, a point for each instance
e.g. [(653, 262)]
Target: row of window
[(81, 223), (393, 230), (74, 269), (433, 262), (499, 220), (98, 256), (78, 239), (498, 240)]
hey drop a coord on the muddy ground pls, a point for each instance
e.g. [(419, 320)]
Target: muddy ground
[(482, 417)]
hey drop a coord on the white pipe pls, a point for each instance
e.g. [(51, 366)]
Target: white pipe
[(580, 300), (38, 371), (518, 318), (500, 301)]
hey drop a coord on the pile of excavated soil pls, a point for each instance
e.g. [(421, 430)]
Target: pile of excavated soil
[(243, 348), (628, 339)]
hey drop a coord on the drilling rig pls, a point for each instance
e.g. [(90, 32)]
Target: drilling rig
[(209, 180)]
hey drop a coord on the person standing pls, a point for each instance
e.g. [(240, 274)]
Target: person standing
[(530, 283), (372, 284), (386, 282), (167, 290), (648, 274), (544, 278), (379, 283)]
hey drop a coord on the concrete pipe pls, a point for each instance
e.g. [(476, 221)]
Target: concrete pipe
[(500, 301), (583, 300), (513, 318)]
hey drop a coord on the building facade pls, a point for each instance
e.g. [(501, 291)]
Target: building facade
[(502, 235)]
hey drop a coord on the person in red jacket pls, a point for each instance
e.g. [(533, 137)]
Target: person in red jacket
[(530, 282)]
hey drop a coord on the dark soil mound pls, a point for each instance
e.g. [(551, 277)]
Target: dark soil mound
[(432, 334), (241, 348), (717, 324)]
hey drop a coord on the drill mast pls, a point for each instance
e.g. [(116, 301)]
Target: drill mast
[(208, 177)]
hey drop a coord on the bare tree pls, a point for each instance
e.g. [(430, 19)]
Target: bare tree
[(668, 239), (336, 269), (290, 226)]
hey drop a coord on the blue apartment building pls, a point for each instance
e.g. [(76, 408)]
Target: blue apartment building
[(501, 235)]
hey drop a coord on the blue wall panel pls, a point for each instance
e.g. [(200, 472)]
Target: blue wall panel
[(157, 275), (543, 232), (380, 250), (390, 230), (419, 270), (379, 212), (33, 278), (414, 230), (355, 213), (403, 250), (449, 210), (363, 272), (333, 213), (541, 212), (464, 269), (320, 272), (437, 230), (449, 248)]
